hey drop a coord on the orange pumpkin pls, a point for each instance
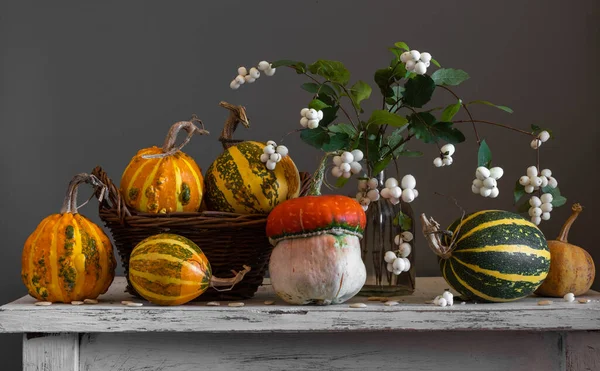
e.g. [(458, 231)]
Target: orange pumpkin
[(571, 267), (165, 180), (68, 257)]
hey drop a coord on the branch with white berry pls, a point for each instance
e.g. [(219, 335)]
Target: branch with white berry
[(382, 137)]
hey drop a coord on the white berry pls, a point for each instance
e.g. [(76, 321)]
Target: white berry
[(391, 183), (404, 57), (437, 162), (408, 195), (477, 183), (496, 172), (475, 189), (425, 57), (410, 65), (447, 161), (536, 211), (313, 124), (547, 197), (385, 193), (234, 85), (529, 188), (336, 172), (373, 195), (249, 79), (389, 267), (389, 257), (345, 167), (420, 68), (408, 182), (532, 171), (416, 193), (358, 155), (271, 165), (347, 157), (242, 71), (442, 302), (485, 192), (544, 136), (254, 73), (552, 182), (312, 114), (545, 216), (449, 297), (407, 236), (372, 183), (398, 264), (546, 207), (355, 167), (347, 174), (535, 181), (415, 55), (270, 71), (304, 122), (264, 157), (303, 112), (482, 173), (404, 249), (490, 183), (282, 150), (524, 180), (394, 200), (271, 143), (320, 115), (263, 65), (495, 192), (240, 79), (448, 149), (406, 264), (536, 220), (395, 192), (362, 183), (570, 297), (275, 157), (547, 173), (536, 143), (535, 201), (269, 150), (544, 181)]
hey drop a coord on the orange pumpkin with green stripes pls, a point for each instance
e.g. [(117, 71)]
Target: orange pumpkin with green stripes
[(68, 257), (169, 269), (237, 181), (496, 256), (164, 180)]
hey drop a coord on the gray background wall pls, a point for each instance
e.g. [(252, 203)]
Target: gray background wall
[(85, 84)]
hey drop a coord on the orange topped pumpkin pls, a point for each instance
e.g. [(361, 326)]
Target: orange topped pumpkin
[(165, 180)]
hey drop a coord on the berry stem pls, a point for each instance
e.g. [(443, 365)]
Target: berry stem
[(466, 110), (495, 124)]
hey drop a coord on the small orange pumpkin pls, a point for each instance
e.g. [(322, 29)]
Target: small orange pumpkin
[(165, 180), (68, 257), (571, 267)]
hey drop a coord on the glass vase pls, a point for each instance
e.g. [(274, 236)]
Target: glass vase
[(378, 238)]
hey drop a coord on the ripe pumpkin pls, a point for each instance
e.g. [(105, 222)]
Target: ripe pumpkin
[(237, 181), (317, 255), (572, 268), (164, 180), (493, 255), (68, 257), (168, 269)]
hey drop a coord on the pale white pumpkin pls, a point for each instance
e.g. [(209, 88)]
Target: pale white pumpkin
[(322, 269)]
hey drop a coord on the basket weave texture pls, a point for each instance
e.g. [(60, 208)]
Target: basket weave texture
[(228, 240)]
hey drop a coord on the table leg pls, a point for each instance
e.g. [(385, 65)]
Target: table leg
[(51, 352)]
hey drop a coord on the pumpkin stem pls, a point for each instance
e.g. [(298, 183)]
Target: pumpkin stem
[(318, 177), (169, 147), (564, 232), (433, 232), (237, 115), (70, 202), (220, 282)]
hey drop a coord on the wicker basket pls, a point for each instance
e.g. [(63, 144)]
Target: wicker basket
[(229, 240)]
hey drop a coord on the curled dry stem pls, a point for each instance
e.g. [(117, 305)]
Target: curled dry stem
[(231, 282)]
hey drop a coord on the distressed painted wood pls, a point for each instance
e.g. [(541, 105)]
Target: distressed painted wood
[(412, 315), (583, 351), (51, 352), (446, 351)]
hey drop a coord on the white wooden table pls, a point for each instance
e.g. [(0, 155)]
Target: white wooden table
[(413, 335)]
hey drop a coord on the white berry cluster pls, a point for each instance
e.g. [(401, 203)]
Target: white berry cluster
[(272, 154), (245, 76), (406, 191), (416, 62), (541, 138), (486, 181), (347, 163), (446, 299), (540, 208), (397, 262), (534, 181), (310, 118), (367, 192), (445, 157)]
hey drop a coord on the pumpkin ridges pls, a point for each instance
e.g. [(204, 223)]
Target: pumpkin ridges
[(136, 182), (101, 282), (56, 287), (148, 200), (495, 223), (32, 251), (196, 174), (475, 292), (81, 285), (501, 275)]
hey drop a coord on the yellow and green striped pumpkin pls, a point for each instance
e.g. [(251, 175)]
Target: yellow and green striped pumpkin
[(168, 269), (162, 185), (237, 181), (499, 257)]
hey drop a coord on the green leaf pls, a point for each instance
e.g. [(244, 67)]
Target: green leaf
[(336, 142), (425, 127), (450, 111), (484, 155), (557, 199), (519, 191), (300, 67), (397, 52), (418, 91), (329, 113), (343, 128), (524, 207), (402, 45), (359, 92), (503, 108), (318, 104), (331, 70), (393, 140), (381, 165), (449, 76), (383, 117), (403, 220), (341, 182), (535, 130), (436, 63), (312, 87), (383, 78), (317, 137)]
